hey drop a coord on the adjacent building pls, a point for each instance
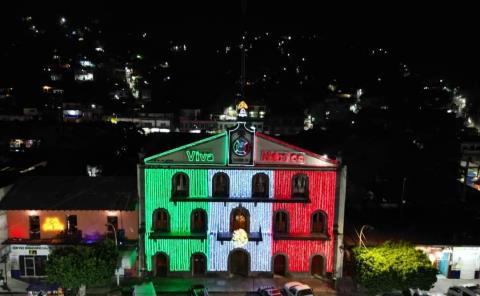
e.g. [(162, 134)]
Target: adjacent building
[(43, 213)]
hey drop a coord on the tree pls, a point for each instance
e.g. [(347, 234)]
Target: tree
[(76, 267), (393, 266)]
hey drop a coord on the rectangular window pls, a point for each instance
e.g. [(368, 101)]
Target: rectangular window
[(71, 223), (34, 227), (32, 265), (112, 221)]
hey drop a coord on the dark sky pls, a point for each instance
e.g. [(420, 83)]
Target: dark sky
[(437, 38)]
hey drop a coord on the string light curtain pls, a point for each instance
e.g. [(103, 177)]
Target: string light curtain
[(158, 191), (321, 186)]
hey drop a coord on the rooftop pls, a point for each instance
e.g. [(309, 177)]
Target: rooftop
[(72, 193)]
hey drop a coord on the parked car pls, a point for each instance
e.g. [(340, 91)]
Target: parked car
[(269, 291), (43, 289), (395, 293), (473, 287), (465, 290), (418, 292), (198, 290), (298, 289), (410, 292)]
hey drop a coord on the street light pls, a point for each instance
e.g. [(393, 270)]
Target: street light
[(361, 236), (117, 272)]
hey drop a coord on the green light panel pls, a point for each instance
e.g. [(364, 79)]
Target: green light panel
[(179, 252), (149, 159), (158, 189)]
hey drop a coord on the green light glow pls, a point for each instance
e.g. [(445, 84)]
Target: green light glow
[(179, 252), (150, 160), (158, 189), (198, 156)]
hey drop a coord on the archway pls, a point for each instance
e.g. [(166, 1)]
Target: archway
[(161, 265), (238, 262), (280, 264), (199, 264), (317, 265)]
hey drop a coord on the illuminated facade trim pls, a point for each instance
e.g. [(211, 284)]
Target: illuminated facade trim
[(224, 216)]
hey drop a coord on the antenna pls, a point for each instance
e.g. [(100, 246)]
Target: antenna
[(242, 48)]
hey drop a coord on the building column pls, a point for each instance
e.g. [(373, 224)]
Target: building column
[(339, 223), (141, 220)]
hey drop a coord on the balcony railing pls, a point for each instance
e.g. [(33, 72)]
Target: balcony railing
[(177, 235), (176, 199), (300, 236)]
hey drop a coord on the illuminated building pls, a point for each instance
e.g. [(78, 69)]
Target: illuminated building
[(198, 201), (43, 213)]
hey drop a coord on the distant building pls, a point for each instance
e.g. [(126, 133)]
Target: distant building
[(72, 112), (197, 126), (14, 117), (82, 75), (454, 261), (283, 125), (470, 162), (149, 122), (44, 213), (6, 92), (85, 70)]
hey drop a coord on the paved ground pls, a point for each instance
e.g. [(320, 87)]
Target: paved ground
[(442, 284), (234, 284), (14, 286)]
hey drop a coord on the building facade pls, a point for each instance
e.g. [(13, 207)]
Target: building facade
[(454, 262), (239, 202), (44, 213)]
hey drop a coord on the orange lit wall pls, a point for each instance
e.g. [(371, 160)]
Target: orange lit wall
[(89, 222)]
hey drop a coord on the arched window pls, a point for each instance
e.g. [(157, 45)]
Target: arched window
[(300, 186), (161, 220), (319, 222), (198, 263), (260, 186), (221, 185), (280, 222), (240, 219), (180, 184), (198, 221)]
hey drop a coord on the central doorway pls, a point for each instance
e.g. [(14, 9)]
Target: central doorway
[(238, 262)]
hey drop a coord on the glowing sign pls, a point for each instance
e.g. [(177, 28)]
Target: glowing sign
[(242, 105), (52, 224), (241, 147), (199, 156), (242, 141), (273, 156)]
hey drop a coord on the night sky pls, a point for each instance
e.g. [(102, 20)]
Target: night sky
[(441, 40)]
